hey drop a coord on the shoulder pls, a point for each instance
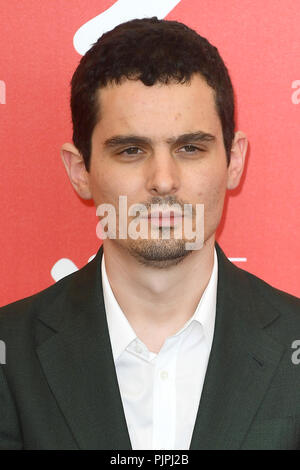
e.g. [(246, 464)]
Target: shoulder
[(280, 299), (276, 310), (239, 282), (22, 313)]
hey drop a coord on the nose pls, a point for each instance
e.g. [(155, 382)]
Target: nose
[(162, 174)]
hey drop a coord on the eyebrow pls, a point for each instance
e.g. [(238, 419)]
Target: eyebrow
[(130, 139)]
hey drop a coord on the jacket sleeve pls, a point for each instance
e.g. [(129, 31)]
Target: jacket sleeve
[(10, 432)]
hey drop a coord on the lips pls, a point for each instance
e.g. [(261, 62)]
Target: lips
[(163, 219), (162, 215)]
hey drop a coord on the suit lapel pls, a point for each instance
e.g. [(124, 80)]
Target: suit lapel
[(75, 354), (242, 363), (78, 363)]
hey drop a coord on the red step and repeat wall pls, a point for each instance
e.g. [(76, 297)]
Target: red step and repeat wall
[(47, 231)]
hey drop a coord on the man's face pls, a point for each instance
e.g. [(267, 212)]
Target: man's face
[(161, 169)]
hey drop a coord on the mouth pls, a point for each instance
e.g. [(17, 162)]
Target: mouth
[(165, 219)]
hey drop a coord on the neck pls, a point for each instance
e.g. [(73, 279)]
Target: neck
[(158, 302)]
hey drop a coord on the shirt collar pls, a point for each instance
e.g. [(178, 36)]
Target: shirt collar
[(122, 334), (120, 331), (205, 312)]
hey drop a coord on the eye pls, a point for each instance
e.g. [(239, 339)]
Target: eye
[(130, 151), (191, 149)]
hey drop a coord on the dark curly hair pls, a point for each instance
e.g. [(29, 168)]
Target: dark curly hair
[(150, 50)]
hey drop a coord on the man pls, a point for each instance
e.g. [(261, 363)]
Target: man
[(152, 345)]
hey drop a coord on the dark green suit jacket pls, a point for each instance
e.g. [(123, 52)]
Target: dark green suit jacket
[(59, 389)]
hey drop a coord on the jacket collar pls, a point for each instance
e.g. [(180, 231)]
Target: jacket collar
[(77, 361), (242, 363)]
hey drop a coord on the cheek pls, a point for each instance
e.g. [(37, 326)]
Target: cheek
[(102, 187), (107, 186), (211, 191)]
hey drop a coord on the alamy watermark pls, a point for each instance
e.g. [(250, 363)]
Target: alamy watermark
[(2, 352), (2, 92), (296, 94), (296, 354), (164, 219)]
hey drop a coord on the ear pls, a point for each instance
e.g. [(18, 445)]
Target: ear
[(237, 159), (75, 167)]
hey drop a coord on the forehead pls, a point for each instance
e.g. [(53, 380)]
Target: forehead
[(159, 109)]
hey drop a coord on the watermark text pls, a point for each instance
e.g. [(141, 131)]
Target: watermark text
[(2, 92), (296, 353), (166, 221), (2, 352)]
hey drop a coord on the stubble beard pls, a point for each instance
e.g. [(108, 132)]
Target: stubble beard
[(158, 253)]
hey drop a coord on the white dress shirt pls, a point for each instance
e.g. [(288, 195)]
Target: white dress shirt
[(161, 392)]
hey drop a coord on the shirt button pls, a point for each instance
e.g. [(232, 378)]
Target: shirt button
[(164, 375)]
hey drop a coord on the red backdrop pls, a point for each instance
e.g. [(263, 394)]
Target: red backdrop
[(42, 219)]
